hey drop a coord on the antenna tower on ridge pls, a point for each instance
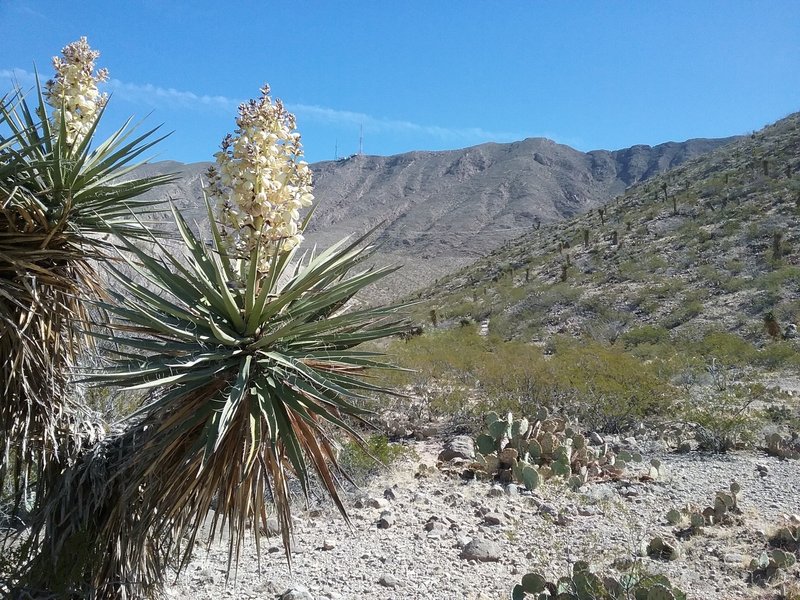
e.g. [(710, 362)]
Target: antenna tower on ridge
[(361, 141)]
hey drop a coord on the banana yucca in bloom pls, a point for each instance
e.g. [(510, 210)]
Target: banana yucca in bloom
[(251, 361), (261, 182), (74, 89), (60, 196)]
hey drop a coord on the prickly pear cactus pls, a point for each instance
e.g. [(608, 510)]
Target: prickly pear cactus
[(663, 548), (768, 565), (549, 446), (585, 585), (725, 506)]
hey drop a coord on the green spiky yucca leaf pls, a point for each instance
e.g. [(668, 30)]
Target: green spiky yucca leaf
[(248, 374), (58, 203)]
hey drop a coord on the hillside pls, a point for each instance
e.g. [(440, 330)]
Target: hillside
[(441, 210), (713, 243)]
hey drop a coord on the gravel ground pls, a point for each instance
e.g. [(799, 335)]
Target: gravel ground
[(431, 516)]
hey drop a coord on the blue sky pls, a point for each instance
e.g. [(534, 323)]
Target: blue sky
[(429, 75)]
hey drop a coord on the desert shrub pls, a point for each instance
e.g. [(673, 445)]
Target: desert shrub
[(454, 353), (364, 463), (645, 334), (776, 355), (516, 376), (723, 420), (686, 311), (728, 348), (778, 279), (608, 389)]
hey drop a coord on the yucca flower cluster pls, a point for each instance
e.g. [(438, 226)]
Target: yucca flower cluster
[(74, 89), (260, 182)]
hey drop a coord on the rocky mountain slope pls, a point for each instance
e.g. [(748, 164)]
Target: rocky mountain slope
[(438, 211), (712, 243)]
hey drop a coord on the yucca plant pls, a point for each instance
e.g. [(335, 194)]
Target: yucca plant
[(251, 357), (63, 198)]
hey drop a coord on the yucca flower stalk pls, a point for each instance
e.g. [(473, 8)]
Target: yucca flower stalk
[(251, 361), (63, 199)]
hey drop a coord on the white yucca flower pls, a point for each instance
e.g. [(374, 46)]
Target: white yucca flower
[(260, 182), (73, 92)]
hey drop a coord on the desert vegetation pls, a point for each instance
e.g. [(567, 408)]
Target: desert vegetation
[(167, 384), (235, 346)]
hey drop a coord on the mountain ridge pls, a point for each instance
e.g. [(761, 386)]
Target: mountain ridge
[(436, 211), (710, 244)]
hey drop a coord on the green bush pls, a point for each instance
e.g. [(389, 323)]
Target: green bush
[(608, 389), (646, 334), (728, 348), (776, 355), (361, 464), (724, 420)]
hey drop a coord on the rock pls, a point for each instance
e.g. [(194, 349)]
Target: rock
[(493, 518), (563, 520), (377, 503), (424, 433), (631, 442), (733, 558), (386, 520), (596, 439), (389, 494), (328, 544), (512, 489), (481, 550), (548, 509), (389, 581), (496, 491), (460, 446), (297, 593)]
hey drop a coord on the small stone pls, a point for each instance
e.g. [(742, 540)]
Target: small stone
[(481, 550), (297, 593), (386, 520), (389, 494), (328, 544), (548, 509), (389, 581), (378, 503), (631, 442), (493, 518), (360, 503), (733, 558), (512, 489), (496, 491), (460, 446), (563, 520), (596, 439)]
